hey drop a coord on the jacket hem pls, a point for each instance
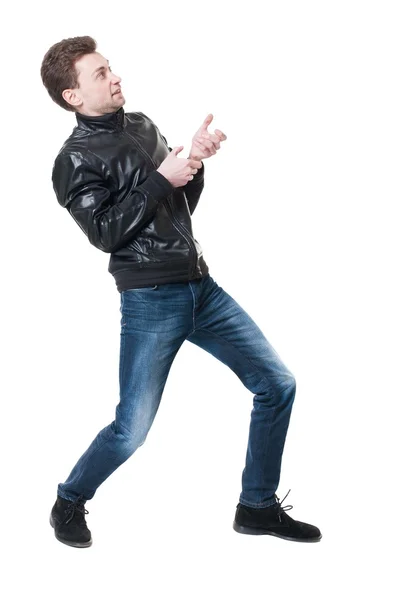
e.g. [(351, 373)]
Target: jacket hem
[(174, 272)]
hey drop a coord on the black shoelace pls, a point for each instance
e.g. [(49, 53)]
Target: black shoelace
[(281, 508), (76, 505)]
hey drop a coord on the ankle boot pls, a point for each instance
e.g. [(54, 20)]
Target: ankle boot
[(67, 519), (273, 520)]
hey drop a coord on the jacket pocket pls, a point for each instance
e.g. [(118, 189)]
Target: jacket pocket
[(142, 249)]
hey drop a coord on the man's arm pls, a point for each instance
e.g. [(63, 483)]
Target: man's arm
[(79, 183), (193, 189)]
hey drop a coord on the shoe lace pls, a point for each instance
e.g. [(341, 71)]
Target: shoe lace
[(76, 505), (281, 508)]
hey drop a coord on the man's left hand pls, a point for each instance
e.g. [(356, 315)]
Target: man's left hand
[(205, 144)]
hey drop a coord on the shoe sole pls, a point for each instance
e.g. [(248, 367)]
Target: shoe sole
[(256, 531), (67, 542)]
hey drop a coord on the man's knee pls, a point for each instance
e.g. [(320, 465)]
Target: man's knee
[(131, 439), (288, 384)]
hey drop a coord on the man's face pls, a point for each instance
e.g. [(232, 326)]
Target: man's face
[(96, 94)]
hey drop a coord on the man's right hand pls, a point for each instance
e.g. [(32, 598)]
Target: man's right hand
[(178, 171)]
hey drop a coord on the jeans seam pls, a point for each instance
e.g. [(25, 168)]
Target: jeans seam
[(193, 310), (262, 504), (259, 505), (65, 497), (121, 358), (105, 441)]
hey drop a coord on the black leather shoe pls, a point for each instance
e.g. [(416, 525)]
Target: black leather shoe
[(67, 519), (273, 520)]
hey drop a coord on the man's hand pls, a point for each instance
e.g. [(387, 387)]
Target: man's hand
[(179, 171), (205, 144)]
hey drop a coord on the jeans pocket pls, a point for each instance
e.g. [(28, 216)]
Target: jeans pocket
[(133, 299), (141, 289)]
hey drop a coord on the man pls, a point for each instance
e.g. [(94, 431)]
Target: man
[(133, 197)]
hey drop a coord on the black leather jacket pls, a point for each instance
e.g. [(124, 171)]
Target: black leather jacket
[(105, 175)]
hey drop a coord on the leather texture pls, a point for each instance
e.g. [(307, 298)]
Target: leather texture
[(105, 175)]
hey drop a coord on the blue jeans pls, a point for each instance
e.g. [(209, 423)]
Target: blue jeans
[(155, 322)]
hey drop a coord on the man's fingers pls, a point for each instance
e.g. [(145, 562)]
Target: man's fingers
[(212, 139), (209, 146), (200, 146), (195, 164), (220, 134), (207, 121)]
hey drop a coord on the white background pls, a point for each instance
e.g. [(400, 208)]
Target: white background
[(308, 219)]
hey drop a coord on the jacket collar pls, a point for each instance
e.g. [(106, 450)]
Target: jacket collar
[(113, 121)]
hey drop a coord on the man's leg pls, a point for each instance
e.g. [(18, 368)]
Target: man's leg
[(224, 329), (154, 324)]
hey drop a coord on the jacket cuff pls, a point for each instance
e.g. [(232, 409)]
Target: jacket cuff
[(157, 185), (198, 177)]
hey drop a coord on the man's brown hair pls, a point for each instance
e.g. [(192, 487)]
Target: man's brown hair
[(58, 72)]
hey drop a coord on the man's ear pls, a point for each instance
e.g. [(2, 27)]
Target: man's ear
[(71, 97)]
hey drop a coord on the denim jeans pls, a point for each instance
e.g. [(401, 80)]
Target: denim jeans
[(155, 322)]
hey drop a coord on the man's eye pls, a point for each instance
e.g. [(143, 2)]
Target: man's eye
[(102, 73)]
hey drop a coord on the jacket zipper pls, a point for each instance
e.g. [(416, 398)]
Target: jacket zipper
[(171, 211)]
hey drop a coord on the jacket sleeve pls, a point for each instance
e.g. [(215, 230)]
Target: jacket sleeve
[(193, 189), (110, 223)]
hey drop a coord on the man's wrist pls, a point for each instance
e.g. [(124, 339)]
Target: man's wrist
[(197, 158)]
